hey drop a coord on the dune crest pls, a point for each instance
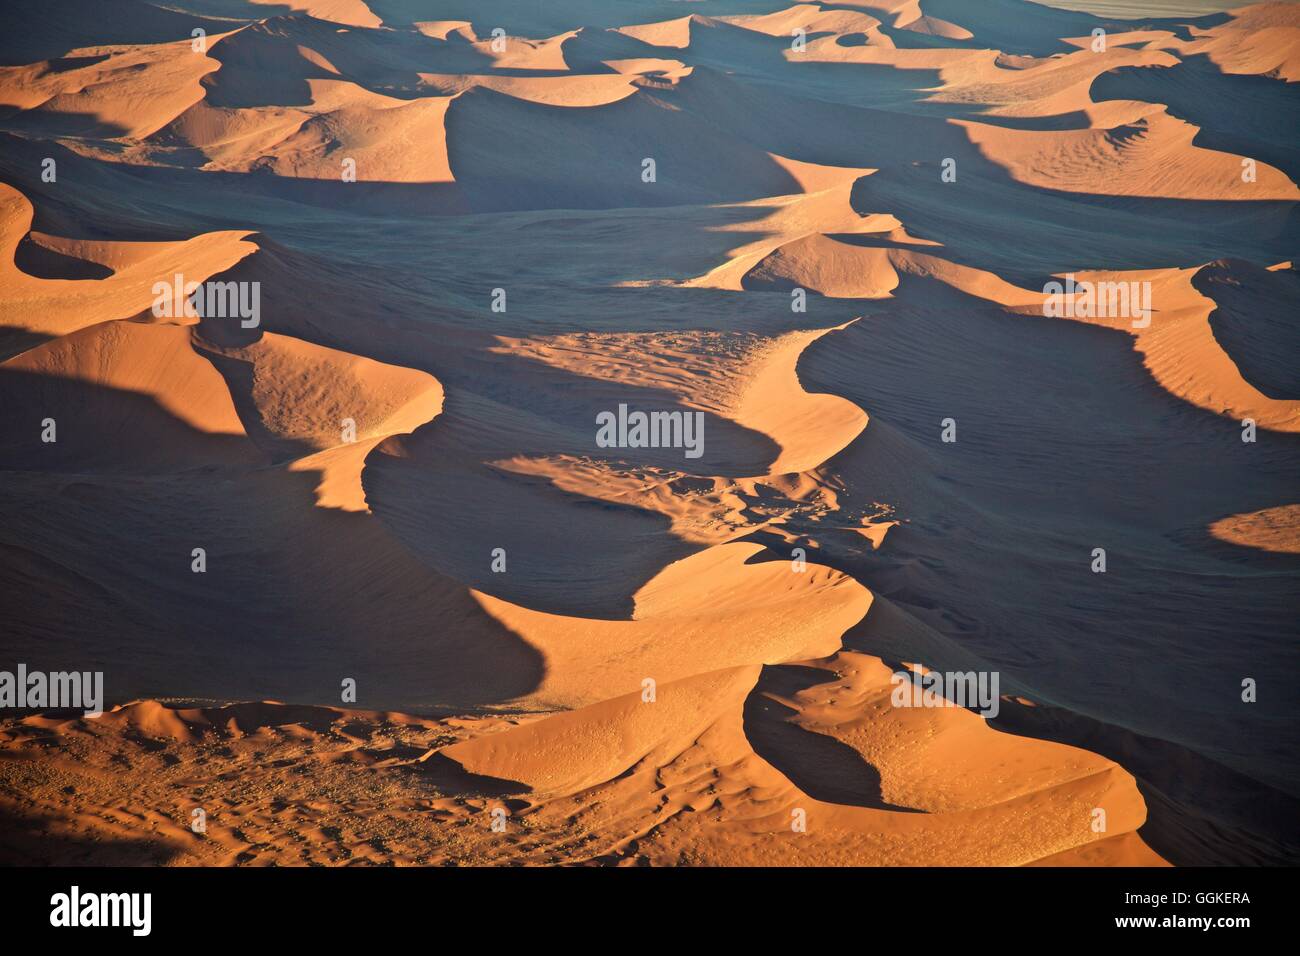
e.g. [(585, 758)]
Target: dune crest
[(59, 306)]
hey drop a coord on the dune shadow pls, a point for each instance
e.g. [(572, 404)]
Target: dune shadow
[(1254, 322), (1236, 113), (81, 24), (1199, 812), (819, 765), (1078, 448), (42, 262), (453, 779), (292, 598)]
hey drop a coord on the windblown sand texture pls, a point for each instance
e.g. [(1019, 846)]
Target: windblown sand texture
[(915, 173)]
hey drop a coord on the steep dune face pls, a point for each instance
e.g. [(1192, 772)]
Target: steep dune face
[(583, 748), (48, 307), (815, 245), (810, 428), (82, 25), (826, 267), (752, 381), (123, 91), (376, 138), (304, 395), (1258, 40), (714, 609), (269, 62), (1184, 354), (327, 409), (162, 407), (349, 12), (702, 754), (1150, 156), (1184, 338), (558, 89), (1232, 112), (701, 773), (1251, 321), (693, 162)]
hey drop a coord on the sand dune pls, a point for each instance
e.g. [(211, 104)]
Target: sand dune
[(681, 780), (716, 607), (165, 408), (326, 409), (385, 139), (1259, 39), (58, 306), (128, 91), (1150, 156), (1184, 354), (825, 232), (1273, 529)]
